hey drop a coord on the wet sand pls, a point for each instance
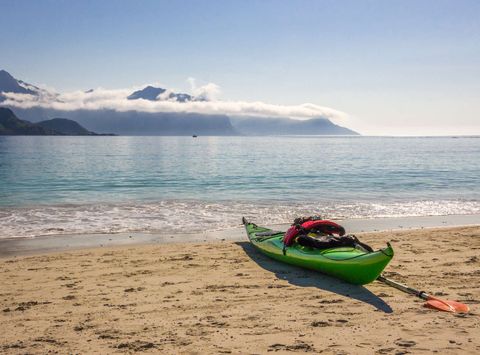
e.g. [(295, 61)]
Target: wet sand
[(225, 297)]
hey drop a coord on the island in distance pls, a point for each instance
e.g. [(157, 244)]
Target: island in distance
[(134, 122), (11, 125)]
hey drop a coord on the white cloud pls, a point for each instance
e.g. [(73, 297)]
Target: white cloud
[(101, 98), (209, 91)]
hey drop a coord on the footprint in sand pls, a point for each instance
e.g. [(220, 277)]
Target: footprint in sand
[(298, 346), (17, 345), (69, 297), (108, 335), (137, 345), (405, 343), (382, 294), (320, 324), (331, 301), (132, 289)]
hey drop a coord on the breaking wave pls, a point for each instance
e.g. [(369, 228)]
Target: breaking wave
[(193, 216)]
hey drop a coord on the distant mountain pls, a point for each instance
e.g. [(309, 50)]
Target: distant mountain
[(10, 124), (161, 123), (67, 127), (135, 123), (148, 93), (259, 126), (152, 93), (9, 84)]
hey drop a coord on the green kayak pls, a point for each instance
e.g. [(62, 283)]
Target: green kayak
[(354, 265)]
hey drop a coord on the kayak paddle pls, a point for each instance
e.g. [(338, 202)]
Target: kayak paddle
[(432, 302)]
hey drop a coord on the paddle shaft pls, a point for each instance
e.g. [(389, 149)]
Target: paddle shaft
[(423, 295)]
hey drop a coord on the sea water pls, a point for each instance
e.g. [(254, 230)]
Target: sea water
[(63, 185)]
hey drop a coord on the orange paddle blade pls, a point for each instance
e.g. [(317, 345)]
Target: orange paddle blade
[(446, 305)]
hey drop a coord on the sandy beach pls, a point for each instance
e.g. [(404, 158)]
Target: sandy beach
[(225, 297)]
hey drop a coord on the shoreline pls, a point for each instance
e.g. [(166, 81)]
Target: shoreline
[(10, 247), (226, 297)]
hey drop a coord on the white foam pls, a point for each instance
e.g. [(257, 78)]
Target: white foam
[(190, 216)]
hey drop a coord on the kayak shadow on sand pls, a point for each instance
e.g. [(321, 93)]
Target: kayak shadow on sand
[(307, 278)]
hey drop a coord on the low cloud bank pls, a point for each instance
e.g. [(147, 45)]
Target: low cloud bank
[(105, 99)]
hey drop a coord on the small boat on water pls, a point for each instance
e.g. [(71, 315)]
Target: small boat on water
[(354, 264)]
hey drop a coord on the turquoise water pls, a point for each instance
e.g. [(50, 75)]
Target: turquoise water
[(116, 184)]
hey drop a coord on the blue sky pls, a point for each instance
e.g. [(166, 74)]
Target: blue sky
[(396, 67)]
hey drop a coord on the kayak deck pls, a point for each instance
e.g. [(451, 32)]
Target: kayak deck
[(350, 264)]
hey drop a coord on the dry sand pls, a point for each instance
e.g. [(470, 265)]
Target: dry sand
[(225, 297)]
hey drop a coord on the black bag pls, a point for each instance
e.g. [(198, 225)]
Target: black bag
[(328, 241)]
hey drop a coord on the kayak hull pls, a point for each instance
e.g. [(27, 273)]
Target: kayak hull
[(350, 264)]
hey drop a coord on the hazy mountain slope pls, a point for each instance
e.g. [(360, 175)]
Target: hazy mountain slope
[(162, 123), (287, 126), (65, 126), (139, 123)]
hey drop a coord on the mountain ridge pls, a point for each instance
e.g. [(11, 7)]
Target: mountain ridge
[(68, 127), (9, 84), (287, 126), (152, 93)]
